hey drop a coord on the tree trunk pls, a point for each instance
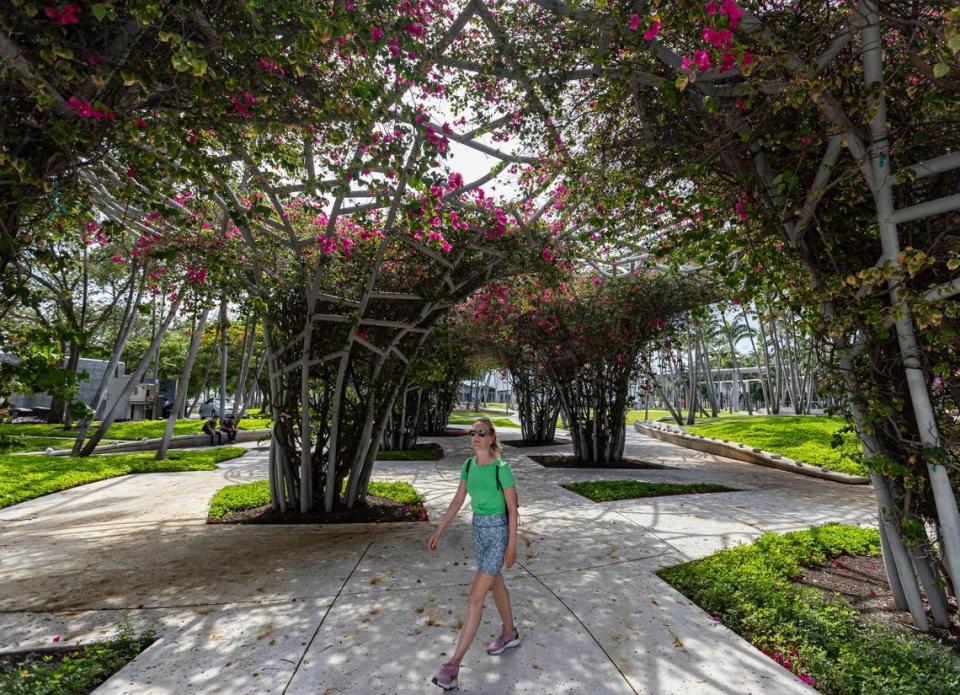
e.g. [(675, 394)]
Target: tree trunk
[(223, 357), (123, 332), (136, 377), (180, 399), (239, 399), (945, 501)]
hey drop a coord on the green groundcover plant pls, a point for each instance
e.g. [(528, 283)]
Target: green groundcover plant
[(410, 455), (611, 490), (751, 590), (807, 438), (71, 673), (470, 418), (25, 476), (237, 498)]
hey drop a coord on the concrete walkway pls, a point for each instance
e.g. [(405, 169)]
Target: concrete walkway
[(347, 608)]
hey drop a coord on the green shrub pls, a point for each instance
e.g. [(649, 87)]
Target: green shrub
[(610, 490), (750, 589), (236, 498), (426, 454), (77, 672), (398, 491)]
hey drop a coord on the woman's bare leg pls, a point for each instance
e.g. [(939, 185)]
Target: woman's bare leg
[(502, 598), (482, 583)]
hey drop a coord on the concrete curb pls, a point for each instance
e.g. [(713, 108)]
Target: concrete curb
[(183, 441), (742, 452)]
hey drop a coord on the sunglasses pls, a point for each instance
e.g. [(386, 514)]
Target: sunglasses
[(477, 433)]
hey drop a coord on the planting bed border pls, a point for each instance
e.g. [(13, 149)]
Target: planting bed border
[(743, 452)]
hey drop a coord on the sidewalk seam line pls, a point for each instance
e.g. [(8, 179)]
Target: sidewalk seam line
[(583, 625), (326, 613)]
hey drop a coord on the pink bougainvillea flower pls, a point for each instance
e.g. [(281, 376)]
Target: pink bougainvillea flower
[(727, 61), (455, 181), (733, 12), (415, 29), (82, 107), (718, 38), (56, 639), (64, 15), (711, 8), (376, 33), (686, 63), (132, 171), (91, 226), (807, 679), (328, 245), (242, 104), (547, 254), (702, 60), (747, 58), (651, 33), (716, 618), (741, 208), (634, 23)]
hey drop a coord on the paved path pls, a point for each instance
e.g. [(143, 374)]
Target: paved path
[(338, 609)]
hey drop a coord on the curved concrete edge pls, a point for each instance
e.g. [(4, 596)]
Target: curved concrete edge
[(182, 441), (742, 452)]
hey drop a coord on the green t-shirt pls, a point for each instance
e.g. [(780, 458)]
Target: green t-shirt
[(485, 497)]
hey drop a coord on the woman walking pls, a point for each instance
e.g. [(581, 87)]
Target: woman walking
[(493, 498)]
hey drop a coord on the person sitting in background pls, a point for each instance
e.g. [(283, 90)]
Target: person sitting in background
[(210, 429), (229, 428)]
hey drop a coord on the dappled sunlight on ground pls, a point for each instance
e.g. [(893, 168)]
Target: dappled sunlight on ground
[(339, 608)]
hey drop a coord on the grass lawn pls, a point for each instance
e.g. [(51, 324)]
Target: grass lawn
[(634, 415), (10, 444), (610, 490), (75, 672), (133, 430), (459, 417), (236, 498), (750, 589), (804, 438), (23, 477)]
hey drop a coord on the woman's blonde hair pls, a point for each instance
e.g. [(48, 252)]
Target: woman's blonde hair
[(495, 447)]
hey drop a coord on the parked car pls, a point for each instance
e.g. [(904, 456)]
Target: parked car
[(212, 407)]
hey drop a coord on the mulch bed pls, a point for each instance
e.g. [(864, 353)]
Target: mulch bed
[(862, 582), (377, 510), (567, 461), (523, 443)]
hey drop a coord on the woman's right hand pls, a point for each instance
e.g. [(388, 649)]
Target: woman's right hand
[(434, 541)]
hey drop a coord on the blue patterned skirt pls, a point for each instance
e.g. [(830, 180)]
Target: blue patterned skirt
[(490, 533)]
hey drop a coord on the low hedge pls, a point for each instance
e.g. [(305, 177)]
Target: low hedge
[(75, 672), (751, 589), (237, 498), (612, 490)]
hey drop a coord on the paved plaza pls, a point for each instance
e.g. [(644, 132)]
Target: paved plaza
[(366, 608)]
